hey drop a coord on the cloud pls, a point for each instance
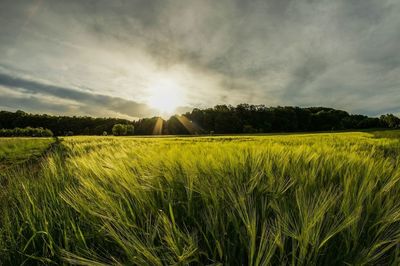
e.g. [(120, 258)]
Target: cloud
[(85, 100), (15, 100), (340, 54)]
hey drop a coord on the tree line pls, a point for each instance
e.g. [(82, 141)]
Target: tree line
[(26, 132), (220, 119), (60, 125), (246, 118)]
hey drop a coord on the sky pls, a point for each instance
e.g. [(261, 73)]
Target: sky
[(138, 58)]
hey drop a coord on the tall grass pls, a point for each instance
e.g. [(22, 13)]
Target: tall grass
[(313, 199), (16, 150)]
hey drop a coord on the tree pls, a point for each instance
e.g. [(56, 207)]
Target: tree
[(130, 130), (390, 120), (119, 130), (175, 126), (221, 119), (145, 126), (59, 125), (249, 129), (26, 132)]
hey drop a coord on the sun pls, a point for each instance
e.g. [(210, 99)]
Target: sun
[(165, 96)]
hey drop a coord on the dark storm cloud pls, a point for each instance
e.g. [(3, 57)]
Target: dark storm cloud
[(89, 101), (340, 53)]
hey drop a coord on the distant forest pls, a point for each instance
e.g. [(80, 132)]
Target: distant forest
[(221, 119)]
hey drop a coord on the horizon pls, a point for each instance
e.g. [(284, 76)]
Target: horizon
[(182, 114), (138, 59)]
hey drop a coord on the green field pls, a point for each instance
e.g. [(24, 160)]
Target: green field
[(301, 199), (18, 150)]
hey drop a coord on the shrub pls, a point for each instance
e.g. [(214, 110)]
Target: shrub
[(26, 132), (119, 130)]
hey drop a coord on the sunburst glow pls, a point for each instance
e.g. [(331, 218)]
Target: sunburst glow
[(165, 96)]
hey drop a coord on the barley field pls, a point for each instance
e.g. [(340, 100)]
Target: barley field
[(296, 199), (17, 150)]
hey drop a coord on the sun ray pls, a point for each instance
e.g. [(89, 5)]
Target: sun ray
[(158, 126), (190, 126)]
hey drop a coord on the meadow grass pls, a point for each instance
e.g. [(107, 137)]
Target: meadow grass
[(305, 199), (17, 150)]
